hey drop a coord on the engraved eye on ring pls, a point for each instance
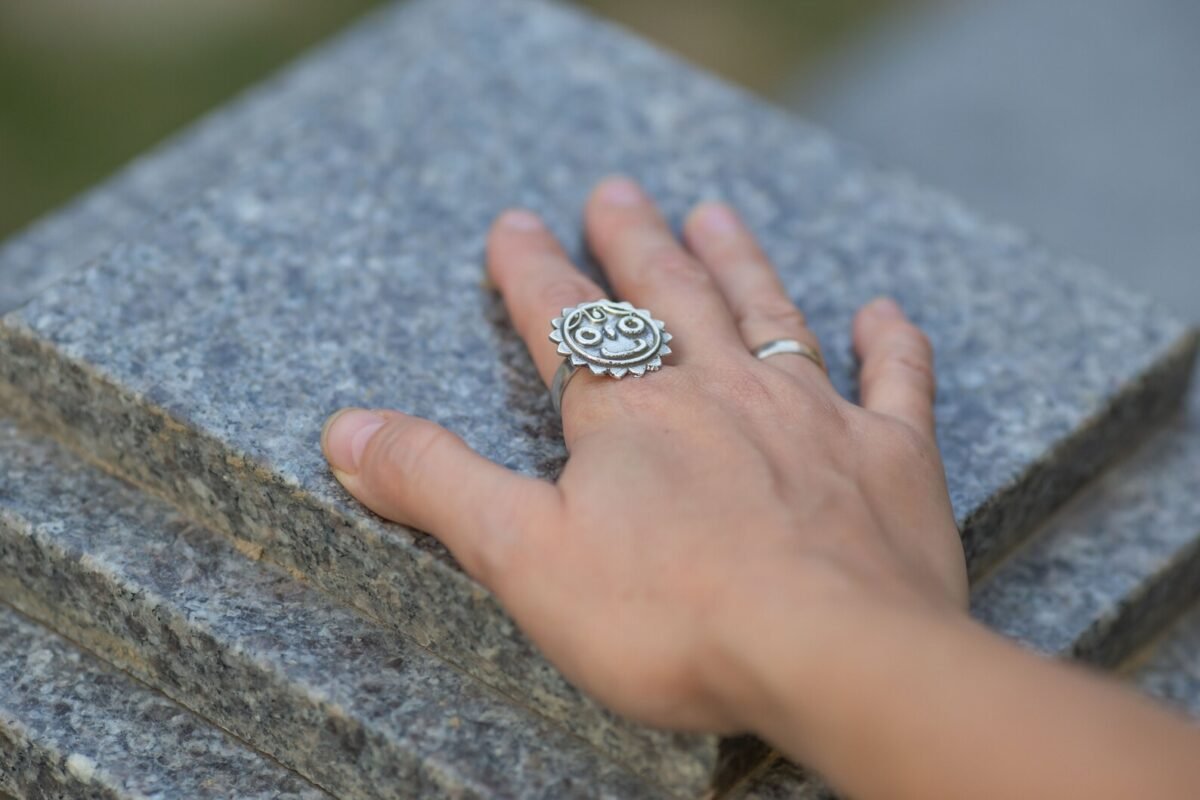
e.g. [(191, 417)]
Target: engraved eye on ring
[(631, 325), (588, 336)]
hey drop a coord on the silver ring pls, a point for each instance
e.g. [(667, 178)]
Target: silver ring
[(777, 347), (609, 338)]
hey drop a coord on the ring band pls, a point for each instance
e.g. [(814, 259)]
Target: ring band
[(609, 338), (562, 376), (777, 347)]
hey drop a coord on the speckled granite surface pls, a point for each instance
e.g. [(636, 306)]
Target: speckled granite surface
[(358, 709), (72, 728), (341, 263), (782, 780), (1116, 564), (1171, 670)]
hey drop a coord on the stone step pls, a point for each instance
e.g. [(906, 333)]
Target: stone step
[(358, 709), (340, 262), (1099, 580), (1116, 565), (74, 728)]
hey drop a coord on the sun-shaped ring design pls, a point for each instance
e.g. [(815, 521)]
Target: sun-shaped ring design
[(611, 338)]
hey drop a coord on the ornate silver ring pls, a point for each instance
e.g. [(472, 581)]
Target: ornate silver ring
[(609, 338)]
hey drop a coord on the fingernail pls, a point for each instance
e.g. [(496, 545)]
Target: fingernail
[(885, 307), (621, 191), (346, 435), (518, 219), (717, 219)]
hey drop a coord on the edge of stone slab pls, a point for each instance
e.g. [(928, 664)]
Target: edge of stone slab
[(1060, 593), (102, 405), (110, 708), (192, 626), (1143, 615), (1134, 411)]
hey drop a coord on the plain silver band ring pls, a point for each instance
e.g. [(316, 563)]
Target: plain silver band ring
[(777, 347), (562, 376)]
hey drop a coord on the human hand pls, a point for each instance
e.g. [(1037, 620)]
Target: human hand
[(699, 502)]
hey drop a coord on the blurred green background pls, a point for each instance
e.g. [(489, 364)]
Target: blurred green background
[(85, 86)]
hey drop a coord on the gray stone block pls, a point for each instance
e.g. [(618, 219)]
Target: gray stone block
[(73, 728), (1116, 565), (340, 263), (358, 709)]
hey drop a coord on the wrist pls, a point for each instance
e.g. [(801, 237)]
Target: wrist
[(808, 659)]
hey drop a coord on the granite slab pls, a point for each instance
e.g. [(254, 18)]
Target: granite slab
[(341, 263), (74, 728), (356, 708), (1111, 569), (1170, 671)]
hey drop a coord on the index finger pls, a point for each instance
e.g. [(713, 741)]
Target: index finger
[(537, 281)]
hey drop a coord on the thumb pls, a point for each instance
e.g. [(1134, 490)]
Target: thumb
[(415, 472)]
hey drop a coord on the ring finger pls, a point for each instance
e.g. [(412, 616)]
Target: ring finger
[(761, 307)]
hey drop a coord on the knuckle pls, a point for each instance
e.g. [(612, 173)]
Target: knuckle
[(912, 369), (776, 311), (638, 398), (908, 358), (903, 446), (920, 343), (912, 339), (591, 403), (404, 447), (748, 389), (836, 415), (668, 262), (564, 291), (827, 413), (602, 400)]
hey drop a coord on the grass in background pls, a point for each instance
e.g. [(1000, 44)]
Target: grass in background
[(757, 43), (86, 86)]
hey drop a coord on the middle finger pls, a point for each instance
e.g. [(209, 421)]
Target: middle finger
[(649, 267)]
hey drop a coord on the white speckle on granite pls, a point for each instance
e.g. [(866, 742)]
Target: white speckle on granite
[(81, 766)]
